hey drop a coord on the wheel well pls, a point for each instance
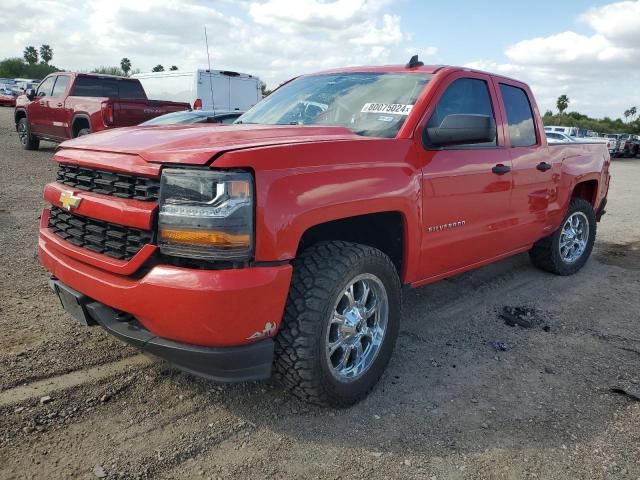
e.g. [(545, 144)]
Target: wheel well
[(384, 231), (79, 123), (19, 114), (586, 190)]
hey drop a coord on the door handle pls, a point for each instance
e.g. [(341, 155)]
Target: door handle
[(41, 103), (543, 166), (501, 169), (59, 104)]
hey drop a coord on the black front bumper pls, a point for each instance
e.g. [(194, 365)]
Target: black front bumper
[(225, 364)]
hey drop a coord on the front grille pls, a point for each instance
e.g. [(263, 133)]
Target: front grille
[(109, 183), (110, 239)]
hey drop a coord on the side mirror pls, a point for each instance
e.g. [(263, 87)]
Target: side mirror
[(461, 129), (31, 94)]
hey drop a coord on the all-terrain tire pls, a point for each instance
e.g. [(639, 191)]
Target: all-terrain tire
[(27, 140), (320, 275), (545, 254)]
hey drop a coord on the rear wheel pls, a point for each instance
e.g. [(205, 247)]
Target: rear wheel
[(28, 141), (568, 249), (340, 323)]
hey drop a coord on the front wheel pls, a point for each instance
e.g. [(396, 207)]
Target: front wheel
[(340, 323), (28, 141), (568, 249)]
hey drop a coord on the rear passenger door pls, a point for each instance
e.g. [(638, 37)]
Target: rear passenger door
[(466, 188), (59, 121), (534, 177)]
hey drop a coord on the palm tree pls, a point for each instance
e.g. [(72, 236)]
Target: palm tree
[(633, 111), (46, 54), (627, 113), (173, 68), (158, 68), (31, 55), (562, 103), (125, 65)]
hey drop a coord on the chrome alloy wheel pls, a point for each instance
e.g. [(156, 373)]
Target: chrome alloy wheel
[(357, 327), (22, 133), (574, 237)]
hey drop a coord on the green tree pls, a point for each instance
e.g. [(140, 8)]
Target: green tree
[(30, 55), (627, 113), (158, 68), (17, 67), (173, 68), (46, 54), (117, 71), (633, 111), (125, 65), (548, 113), (265, 91), (562, 103)]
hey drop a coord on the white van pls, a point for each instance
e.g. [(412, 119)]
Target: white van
[(218, 90)]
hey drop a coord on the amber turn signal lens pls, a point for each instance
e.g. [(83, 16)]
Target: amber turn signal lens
[(205, 238)]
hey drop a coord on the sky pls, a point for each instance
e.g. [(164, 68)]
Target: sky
[(588, 50)]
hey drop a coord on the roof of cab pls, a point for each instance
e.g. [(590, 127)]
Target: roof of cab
[(426, 69)]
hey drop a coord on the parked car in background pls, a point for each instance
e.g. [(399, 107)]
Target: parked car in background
[(629, 145), (571, 131), (221, 90), (193, 116), (281, 243), (68, 105), (556, 137), (7, 97)]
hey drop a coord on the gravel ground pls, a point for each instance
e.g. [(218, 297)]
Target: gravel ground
[(465, 397)]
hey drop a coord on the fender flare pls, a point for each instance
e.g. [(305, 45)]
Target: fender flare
[(75, 118)]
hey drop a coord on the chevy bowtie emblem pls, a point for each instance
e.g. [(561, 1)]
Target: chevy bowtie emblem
[(69, 201)]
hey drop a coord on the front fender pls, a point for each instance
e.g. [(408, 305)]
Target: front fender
[(301, 186)]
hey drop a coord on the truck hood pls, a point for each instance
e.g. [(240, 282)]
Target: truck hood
[(199, 144)]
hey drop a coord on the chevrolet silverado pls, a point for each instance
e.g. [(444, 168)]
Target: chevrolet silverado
[(280, 245)]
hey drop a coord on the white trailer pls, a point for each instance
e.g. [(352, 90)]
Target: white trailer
[(220, 90)]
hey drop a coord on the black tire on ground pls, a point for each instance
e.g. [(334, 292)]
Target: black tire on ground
[(28, 141), (545, 254), (83, 131), (320, 275)]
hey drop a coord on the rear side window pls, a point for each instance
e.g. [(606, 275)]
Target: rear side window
[(108, 87), (61, 86), (522, 131), (463, 96)]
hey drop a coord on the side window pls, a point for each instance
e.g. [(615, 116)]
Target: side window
[(46, 87), (463, 96), (61, 86), (522, 130)]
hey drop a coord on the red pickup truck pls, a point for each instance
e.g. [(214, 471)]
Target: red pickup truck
[(69, 105), (281, 243)]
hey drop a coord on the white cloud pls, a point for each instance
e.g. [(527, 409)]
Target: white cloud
[(599, 72), (274, 39)]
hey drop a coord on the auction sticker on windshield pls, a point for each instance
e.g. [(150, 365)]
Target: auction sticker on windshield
[(392, 108)]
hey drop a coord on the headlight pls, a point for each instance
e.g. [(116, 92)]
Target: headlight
[(206, 214)]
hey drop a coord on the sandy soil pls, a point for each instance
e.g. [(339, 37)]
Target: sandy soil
[(449, 406)]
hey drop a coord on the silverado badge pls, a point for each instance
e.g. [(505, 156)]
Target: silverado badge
[(69, 201)]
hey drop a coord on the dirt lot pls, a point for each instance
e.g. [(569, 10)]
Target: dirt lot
[(451, 405)]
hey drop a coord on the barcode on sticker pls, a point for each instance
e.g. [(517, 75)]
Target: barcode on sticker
[(392, 108)]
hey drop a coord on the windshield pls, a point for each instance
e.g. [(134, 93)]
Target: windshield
[(372, 104), (177, 118)]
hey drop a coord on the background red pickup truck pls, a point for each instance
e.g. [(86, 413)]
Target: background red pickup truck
[(68, 105), (285, 240)]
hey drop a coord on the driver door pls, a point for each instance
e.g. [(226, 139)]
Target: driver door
[(38, 108), (466, 188)]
